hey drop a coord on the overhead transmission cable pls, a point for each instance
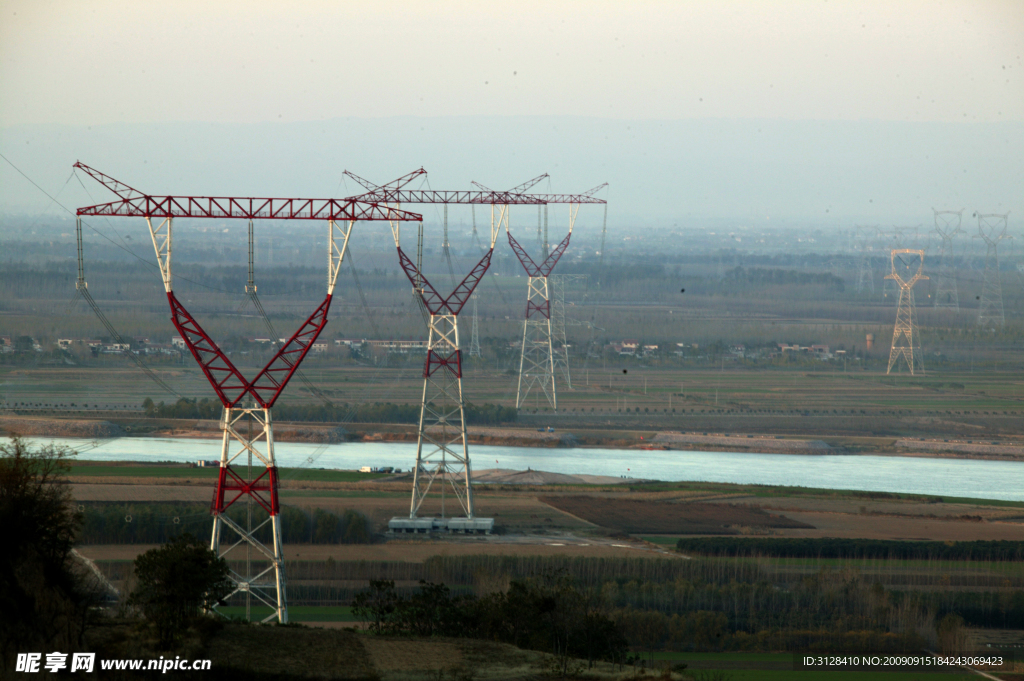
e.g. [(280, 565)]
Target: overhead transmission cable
[(250, 290), (82, 288)]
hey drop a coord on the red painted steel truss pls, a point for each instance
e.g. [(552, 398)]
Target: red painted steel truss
[(263, 490), (544, 269), (226, 380), (134, 203), (283, 365), (458, 298), (450, 362)]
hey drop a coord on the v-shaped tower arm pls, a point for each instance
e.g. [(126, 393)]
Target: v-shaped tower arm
[(460, 296), (431, 298), (528, 264), (272, 380), (553, 257), (897, 254), (116, 186), (433, 301), (225, 379)]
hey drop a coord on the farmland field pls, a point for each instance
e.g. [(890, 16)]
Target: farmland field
[(855, 410), (634, 516)]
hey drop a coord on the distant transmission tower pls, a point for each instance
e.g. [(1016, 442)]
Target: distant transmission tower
[(905, 342), (947, 225), (865, 275), (474, 342), (991, 228), (895, 238), (537, 364), (559, 342)]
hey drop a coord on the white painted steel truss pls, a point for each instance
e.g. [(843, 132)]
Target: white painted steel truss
[(906, 344), (248, 439), (442, 454), (537, 364)]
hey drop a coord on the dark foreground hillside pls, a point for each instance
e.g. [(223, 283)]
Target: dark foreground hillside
[(293, 652)]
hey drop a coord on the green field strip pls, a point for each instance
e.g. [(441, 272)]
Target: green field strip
[(814, 675), (772, 491), (285, 474), (342, 494), (749, 670), (724, 657), (296, 613)]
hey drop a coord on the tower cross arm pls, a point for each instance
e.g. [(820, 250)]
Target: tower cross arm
[(116, 186), (385, 195), (568, 198), (250, 208), (134, 203)]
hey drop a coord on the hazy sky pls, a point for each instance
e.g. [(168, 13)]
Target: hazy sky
[(109, 61), (820, 110)]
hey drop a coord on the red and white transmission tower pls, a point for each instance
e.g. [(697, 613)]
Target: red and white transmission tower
[(246, 422), (537, 363), (442, 452)]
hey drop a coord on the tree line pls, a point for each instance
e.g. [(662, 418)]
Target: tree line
[(377, 412), (156, 523), (854, 548), (550, 613)]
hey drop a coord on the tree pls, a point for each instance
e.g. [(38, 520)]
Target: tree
[(377, 606), (43, 597), (177, 582)]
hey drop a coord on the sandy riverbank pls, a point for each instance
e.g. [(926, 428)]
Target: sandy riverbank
[(521, 437)]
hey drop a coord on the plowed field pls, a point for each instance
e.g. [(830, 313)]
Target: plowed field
[(635, 517)]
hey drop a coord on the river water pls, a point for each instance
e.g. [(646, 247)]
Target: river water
[(912, 475)]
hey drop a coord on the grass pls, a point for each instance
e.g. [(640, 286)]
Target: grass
[(1009, 568), (747, 668), (147, 471), (790, 675), (772, 491), (369, 494), (724, 657), (296, 613)]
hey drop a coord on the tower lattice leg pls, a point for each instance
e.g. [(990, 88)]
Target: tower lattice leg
[(906, 344), (248, 438), (537, 364), (442, 455)]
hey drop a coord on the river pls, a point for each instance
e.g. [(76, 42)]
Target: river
[(911, 475)]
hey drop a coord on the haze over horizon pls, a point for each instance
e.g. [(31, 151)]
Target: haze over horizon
[(831, 113)]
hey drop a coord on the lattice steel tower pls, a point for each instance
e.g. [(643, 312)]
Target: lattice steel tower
[(442, 453), (248, 436), (895, 239), (991, 228), (947, 225), (865, 273), (560, 343), (537, 363), (905, 341), (474, 338)]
